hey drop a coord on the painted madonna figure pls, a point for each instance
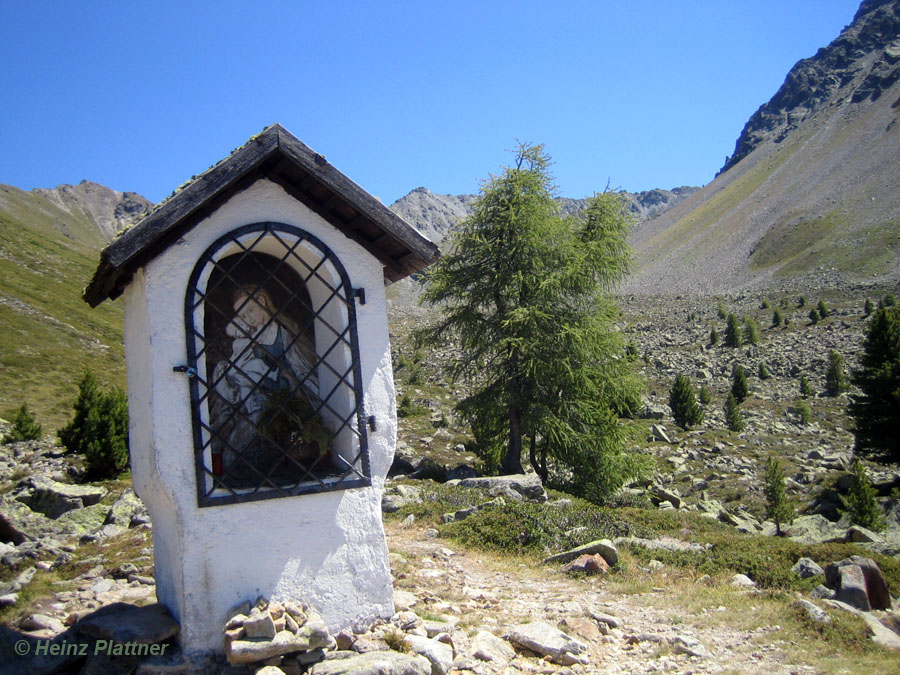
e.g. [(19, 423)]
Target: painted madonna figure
[(265, 406)]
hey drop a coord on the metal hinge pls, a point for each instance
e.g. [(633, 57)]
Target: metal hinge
[(190, 371), (372, 425), (360, 294)]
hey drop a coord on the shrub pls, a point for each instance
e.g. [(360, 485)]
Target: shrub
[(704, 395), (751, 331), (822, 309), (801, 302), (765, 304), (733, 417), (777, 506), (805, 412), (786, 320), (25, 427), (713, 337), (99, 429), (877, 410), (739, 386), (777, 318), (720, 311), (763, 372), (889, 300), (835, 377), (860, 503), (869, 307), (805, 389), (732, 332), (813, 317), (683, 403)]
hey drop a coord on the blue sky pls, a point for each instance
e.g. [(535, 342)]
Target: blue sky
[(637, 94)]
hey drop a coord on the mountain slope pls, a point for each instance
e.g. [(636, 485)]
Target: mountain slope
[(812, 193), (49, 246)]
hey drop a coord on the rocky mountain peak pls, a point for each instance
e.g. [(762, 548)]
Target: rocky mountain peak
[(859, 65), (110, 209)]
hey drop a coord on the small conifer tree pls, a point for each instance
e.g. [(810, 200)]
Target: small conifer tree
[(786, 320), (713, 337), (777, 506), (860, 502), (732, 332), (805, 412), (99, 429), (25, 427), (835, 377), (733, 417), (801, 302), (813, 317), (704, 395), (720, 311), (751, 331), (685, 409), (890, 300), (869, 307), (822, 309), (739, 386), (765, 304), (763, 372), (776, 318), (805, 389)]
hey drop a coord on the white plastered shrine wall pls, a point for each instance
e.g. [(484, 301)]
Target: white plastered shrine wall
[(328, 549)]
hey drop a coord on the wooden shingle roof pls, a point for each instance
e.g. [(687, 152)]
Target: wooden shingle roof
[(276, 155)]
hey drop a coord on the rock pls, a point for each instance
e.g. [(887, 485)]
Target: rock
[(127, 511), (53, 499), (84, 521), (397, 496), (814, 529), (404, 600), (372, 663), (602, 546), (462, 514), (34, 622), (528, 485), (658, 433), (684, 644), (587, 564), (122, 622), (663, 543), (440, 655), (822, 592), (8, 599), (259, 625), (600, 617), (881, 634), (742, 580), (488, 647), (861, 535), (812, 611), (663, 495), (868, 581), (22, 579), (311, 635), (544, 639), (652, 411), (806, 568)]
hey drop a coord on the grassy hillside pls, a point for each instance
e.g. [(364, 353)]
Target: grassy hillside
[(50, 336)]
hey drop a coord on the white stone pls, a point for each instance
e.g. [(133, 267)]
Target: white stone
[(440, 655), (488, 647), (544, 639), (326, 549)]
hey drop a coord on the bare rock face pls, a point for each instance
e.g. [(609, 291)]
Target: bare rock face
[(866, 54), (110, 209)]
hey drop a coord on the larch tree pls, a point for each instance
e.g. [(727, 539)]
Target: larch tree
[(526, 294)]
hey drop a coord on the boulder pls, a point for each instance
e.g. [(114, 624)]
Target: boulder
[(814, 529), (122, 622), (372, 663), (812, 611), (53, 499), (439, 654), (544, 639), (806, 568), (602, 546), (587, 564), (397, 496), (488, 647), (528, 485), (462, 514), (863, 587)]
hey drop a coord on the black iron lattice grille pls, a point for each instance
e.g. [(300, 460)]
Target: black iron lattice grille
[(274, 357)]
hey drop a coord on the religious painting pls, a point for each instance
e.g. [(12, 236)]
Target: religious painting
[(265, 411)]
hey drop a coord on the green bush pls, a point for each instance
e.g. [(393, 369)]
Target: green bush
[(720, 311), (889, 300), (99, 429), (739, 386), (801, 301), (860, 502), (805, 388), (751, 331), (804, 411), (835, 377), (763, 372), (823, 309), (734, 419), (765, 304), (869, 307), (777, 318), (713, 337), (778, 508), (25, 427), (813, 317), (732, 332), (704, 395), (683, 403)]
